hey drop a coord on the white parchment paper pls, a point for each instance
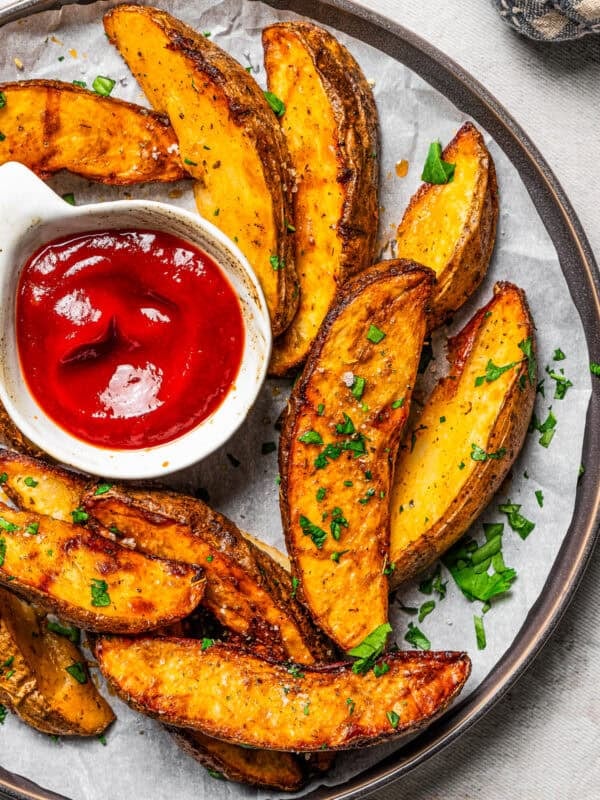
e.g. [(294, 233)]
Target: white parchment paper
[(140, 759)]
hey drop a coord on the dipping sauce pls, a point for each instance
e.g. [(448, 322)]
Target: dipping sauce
[(127, 339)]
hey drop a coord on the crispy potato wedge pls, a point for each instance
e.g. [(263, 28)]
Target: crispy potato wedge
[(439, 489), (339, 442), (228, 137), (330, 124), (452, 227), (247, 591), (266, 705), (51, 125), (255, 767), (34, 682), (89, 580)]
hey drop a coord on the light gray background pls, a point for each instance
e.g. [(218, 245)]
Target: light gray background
[(543, 739)]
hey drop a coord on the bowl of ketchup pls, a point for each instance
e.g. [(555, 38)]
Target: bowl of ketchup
[(136, 336)]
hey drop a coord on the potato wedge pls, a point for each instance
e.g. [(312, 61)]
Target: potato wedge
[(89, 580), (330, 124), (228, 137), (439, 489), (51, 125), (339, 442), (247, 591), (34, 682), (452, 227), (233, 695)]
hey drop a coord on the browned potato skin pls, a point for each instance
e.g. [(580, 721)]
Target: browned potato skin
[(52, 125), (37, 686), (472, 242), (56, 566), (349, 598), (198, 69), (177, 681), (330, 124), (508, 431), (246, 589)]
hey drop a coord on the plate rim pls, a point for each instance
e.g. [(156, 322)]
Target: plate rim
[(576, 260)]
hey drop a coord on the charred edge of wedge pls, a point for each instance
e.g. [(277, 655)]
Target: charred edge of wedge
[(250, 111), (167, 166), (509, 431), (447, 671)]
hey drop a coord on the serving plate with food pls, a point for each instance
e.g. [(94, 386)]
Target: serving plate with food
[(382, 546)]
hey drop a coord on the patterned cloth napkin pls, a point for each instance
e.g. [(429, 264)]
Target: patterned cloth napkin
[(551, 20)]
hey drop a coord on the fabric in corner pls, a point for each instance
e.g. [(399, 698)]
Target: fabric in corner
[(551, 20)]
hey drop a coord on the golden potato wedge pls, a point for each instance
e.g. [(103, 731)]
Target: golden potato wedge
[(247, 591), (330, 124), (233, 695), (34, 678), (255, 767), (51, 125), (468, 435), (89, 580), (452, 227), (339, 442), (228, 137)]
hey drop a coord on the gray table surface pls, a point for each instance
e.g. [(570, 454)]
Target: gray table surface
[(543, 739)]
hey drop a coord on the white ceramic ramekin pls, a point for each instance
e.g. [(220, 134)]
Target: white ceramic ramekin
[(31, 215)]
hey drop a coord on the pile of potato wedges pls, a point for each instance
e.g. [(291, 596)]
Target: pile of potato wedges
[(242, 654)]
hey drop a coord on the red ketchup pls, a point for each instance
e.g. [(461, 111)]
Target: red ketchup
[(127, 339)]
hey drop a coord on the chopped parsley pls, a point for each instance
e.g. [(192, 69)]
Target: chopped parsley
[(345, 428), (206, 643), (277, 262), (311, 437), (103, 488), (268, 447), (295, 671), (517, 521), (493, 372), (77, 671), (338, 521), (479, 632), (369, 650), (320, 409), (595, 369), (295, 585), (321, 492), (306, 709), (351, 705), (190, 163), (398, 403), (2, 136), (393, 718), (31, 482), (546, 428), (435, 169), (3, 713), (277, 105), (2, 99), (469, 566), (2, 551), (558, 355), (103, 85), (318, 535), (380, 669), (338, 554), (426, 609), (368, 495), (526, 346), (539, 496), (100, 596), (102, 739), (375, 335), (10, 527), (80, 515), (358, 387), (562, 383), (415, 637), (388, 569), (33, 528), (218, 776), (434, 584), (3, 477), (478, 454), (71, 633), (81, 84)]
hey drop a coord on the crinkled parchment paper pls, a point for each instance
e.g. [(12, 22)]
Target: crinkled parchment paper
[(140, 760)]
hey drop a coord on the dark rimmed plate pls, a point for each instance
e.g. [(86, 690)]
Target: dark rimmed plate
[(580, 271)]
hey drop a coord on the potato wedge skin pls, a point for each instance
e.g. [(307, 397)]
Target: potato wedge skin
[(429, 481), (347, 595), (266, 706), (330, 124), (52, 125), (452, 227), (55, 564), (254, 767), (228, 136), (37, 686), (247, 591)]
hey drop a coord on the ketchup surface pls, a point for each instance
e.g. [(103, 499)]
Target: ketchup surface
[(127, 339)]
